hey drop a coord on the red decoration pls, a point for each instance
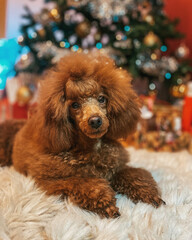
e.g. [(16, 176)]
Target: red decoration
[(187, 115), (19, 112)]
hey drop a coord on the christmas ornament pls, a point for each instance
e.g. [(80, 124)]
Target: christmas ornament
[(182, 51), (178, 91), (83, 29), (24, 95), (151, 39)]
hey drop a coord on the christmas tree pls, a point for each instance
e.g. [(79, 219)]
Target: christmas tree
[(133, 32)]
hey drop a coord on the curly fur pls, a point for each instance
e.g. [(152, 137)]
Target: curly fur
[(65, 150)]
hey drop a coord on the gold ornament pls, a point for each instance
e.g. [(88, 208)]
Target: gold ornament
[(151, 39), (83, 29), (149, 19), (24, 95), (179, 91)]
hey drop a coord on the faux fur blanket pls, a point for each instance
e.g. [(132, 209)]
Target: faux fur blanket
[(27, 214)]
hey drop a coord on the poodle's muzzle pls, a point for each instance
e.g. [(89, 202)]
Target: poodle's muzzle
[(92, 118)]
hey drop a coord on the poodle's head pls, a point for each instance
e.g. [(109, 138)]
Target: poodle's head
[(90, 95)]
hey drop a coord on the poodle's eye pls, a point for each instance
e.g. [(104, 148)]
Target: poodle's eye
[(102, 99), (75, 105)]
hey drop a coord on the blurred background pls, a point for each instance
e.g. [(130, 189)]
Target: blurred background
[(152, 39)]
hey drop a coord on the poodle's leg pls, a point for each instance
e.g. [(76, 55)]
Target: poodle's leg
[(138, 184), (88, 193)]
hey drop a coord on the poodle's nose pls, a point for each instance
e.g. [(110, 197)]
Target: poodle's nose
[(95, 122)]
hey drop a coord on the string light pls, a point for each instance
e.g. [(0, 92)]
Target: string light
[(75, 48), (168, 75), (115, 18), (62, 44), (24, 57), (163, 48), (127, 28), (152, 86), (154, 56), (179, 80), (118, 37), (99, 45), (67, 45), (138, 62), (34, 35), (20, 39)]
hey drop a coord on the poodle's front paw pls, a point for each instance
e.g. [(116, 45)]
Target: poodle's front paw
[(154, 200), (109, 210)]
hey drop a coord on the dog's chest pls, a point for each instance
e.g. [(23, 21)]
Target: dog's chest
[(103, 161)]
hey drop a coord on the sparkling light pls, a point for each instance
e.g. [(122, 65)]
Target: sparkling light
[(34, 35), (152, 86), (154, 56), (115, 18), (138, 62), (99, 45), (179, 80), (24, 57), (127, 28), (62, 44), (168, 75), (67, 44), (75, 48), (163, 48), (118, 37), (20, 39)]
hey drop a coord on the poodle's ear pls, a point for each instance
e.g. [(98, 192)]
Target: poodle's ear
[(123, 104), (57, 128), (60, 129)]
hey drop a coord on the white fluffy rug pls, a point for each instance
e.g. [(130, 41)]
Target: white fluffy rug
[(27, 214)]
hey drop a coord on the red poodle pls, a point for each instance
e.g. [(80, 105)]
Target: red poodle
[(69, 146)]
